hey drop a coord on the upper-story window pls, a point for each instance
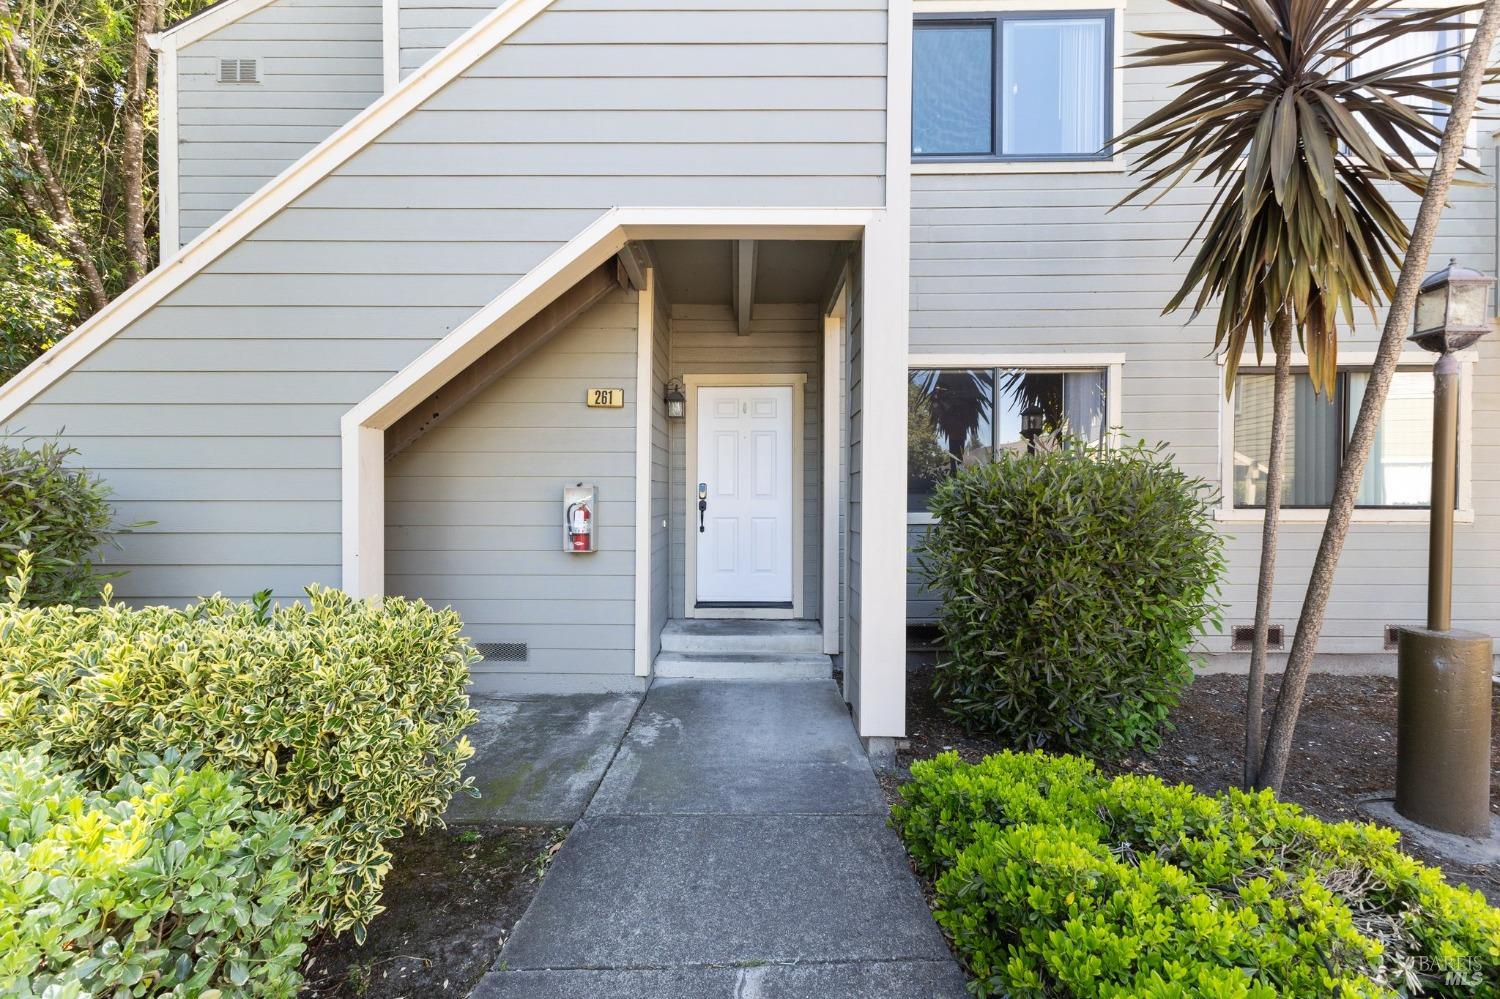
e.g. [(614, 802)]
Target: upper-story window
[(1416, 53), (1012, 86)]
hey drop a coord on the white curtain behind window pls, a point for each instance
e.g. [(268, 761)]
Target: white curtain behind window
[(1080, 92), (1083, 404)]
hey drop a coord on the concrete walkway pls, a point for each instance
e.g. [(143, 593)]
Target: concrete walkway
[(736, 847)]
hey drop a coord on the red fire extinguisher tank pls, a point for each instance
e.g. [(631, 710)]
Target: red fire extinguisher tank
[(578, 518)]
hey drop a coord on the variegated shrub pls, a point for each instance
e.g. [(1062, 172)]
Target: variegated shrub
[(345, 715), (167, 884)]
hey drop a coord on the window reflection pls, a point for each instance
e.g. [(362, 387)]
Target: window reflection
[(959, 416), (1399, 471)]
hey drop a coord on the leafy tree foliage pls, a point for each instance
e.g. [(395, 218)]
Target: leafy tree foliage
[(77, 160), (38, 299)]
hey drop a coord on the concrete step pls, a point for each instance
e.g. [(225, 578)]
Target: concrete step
[(751, 637), (745, 666)]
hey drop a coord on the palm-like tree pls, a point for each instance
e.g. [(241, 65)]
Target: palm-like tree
[(1302, 130)]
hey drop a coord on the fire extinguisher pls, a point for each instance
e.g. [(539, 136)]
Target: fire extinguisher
[(580, 526)]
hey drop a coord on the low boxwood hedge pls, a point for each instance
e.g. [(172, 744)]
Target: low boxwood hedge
[(345, 716), (1054, 880), (167, 883)]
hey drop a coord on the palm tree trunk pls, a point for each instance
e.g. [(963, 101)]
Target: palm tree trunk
[(1281, 404), (1398, 322), (133, 145)]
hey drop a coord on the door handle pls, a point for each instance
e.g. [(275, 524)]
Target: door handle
[(702, 504)]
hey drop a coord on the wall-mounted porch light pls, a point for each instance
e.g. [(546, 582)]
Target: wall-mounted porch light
[(676, 401)]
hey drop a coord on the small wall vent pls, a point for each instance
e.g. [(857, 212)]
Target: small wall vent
[(1392, 637), (239, 71), (503, 652), (1244, 637)]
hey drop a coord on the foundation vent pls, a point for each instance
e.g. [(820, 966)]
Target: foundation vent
[(1392, 637), (503, 652), (1244, 637), (239, 71)]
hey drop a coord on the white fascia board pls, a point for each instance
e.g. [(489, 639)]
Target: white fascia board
[(168, 172), (206, 22), (604, 238), (363, 427), (390, 43), (260, 207)]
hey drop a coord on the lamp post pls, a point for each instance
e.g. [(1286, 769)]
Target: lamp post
[(1443, 710), (1033, 422)]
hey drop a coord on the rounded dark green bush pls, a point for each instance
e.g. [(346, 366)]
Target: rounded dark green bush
[(58, 513), (1075, 582)]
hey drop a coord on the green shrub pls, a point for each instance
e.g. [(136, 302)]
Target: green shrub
[(1075, 582), (59, 514), (345, 715), (165, 884), (1053, 880)]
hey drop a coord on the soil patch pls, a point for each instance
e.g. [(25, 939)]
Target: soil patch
[(1346, 748), (451, 899)]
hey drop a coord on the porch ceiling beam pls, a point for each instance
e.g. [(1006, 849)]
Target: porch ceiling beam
[(636, 258), (505, 355), (742, 254), (833, 281)]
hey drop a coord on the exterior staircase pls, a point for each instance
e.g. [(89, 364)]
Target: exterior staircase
[(743, 650)]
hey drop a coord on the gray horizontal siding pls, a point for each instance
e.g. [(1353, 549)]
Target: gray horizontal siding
[(783, 339), (228, 395), (426, 27), (1012, 263), (320, 64), (499, 562)]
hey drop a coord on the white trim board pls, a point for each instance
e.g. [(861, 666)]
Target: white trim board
[(206, 22), (835, 321), (645, 410), (168, 171), (260, 207), (797, 382), (363, 427), (390, 43)]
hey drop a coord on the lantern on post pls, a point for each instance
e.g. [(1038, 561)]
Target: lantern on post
[(1443, 709)]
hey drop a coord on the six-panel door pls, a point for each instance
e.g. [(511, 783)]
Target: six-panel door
[(745, 463)]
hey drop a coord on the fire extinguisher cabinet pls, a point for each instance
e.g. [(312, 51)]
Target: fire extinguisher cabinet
[(580, 518)]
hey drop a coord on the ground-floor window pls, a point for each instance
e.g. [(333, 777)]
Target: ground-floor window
[(962, 415), (1399, 473)]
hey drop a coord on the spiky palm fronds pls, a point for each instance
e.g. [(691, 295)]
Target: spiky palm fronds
[(1301, 142)]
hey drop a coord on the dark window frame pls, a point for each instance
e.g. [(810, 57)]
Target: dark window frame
[(996, 20), (1346, 426)]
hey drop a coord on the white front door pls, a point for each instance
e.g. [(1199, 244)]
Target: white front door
[(745, 468)]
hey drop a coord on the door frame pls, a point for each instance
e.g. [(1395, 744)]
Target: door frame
[(797, 381)]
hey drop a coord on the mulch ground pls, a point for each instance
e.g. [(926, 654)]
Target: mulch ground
[(451, 898), (1346, 748)]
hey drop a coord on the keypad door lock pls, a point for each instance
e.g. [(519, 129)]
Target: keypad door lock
[(702, 504)]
